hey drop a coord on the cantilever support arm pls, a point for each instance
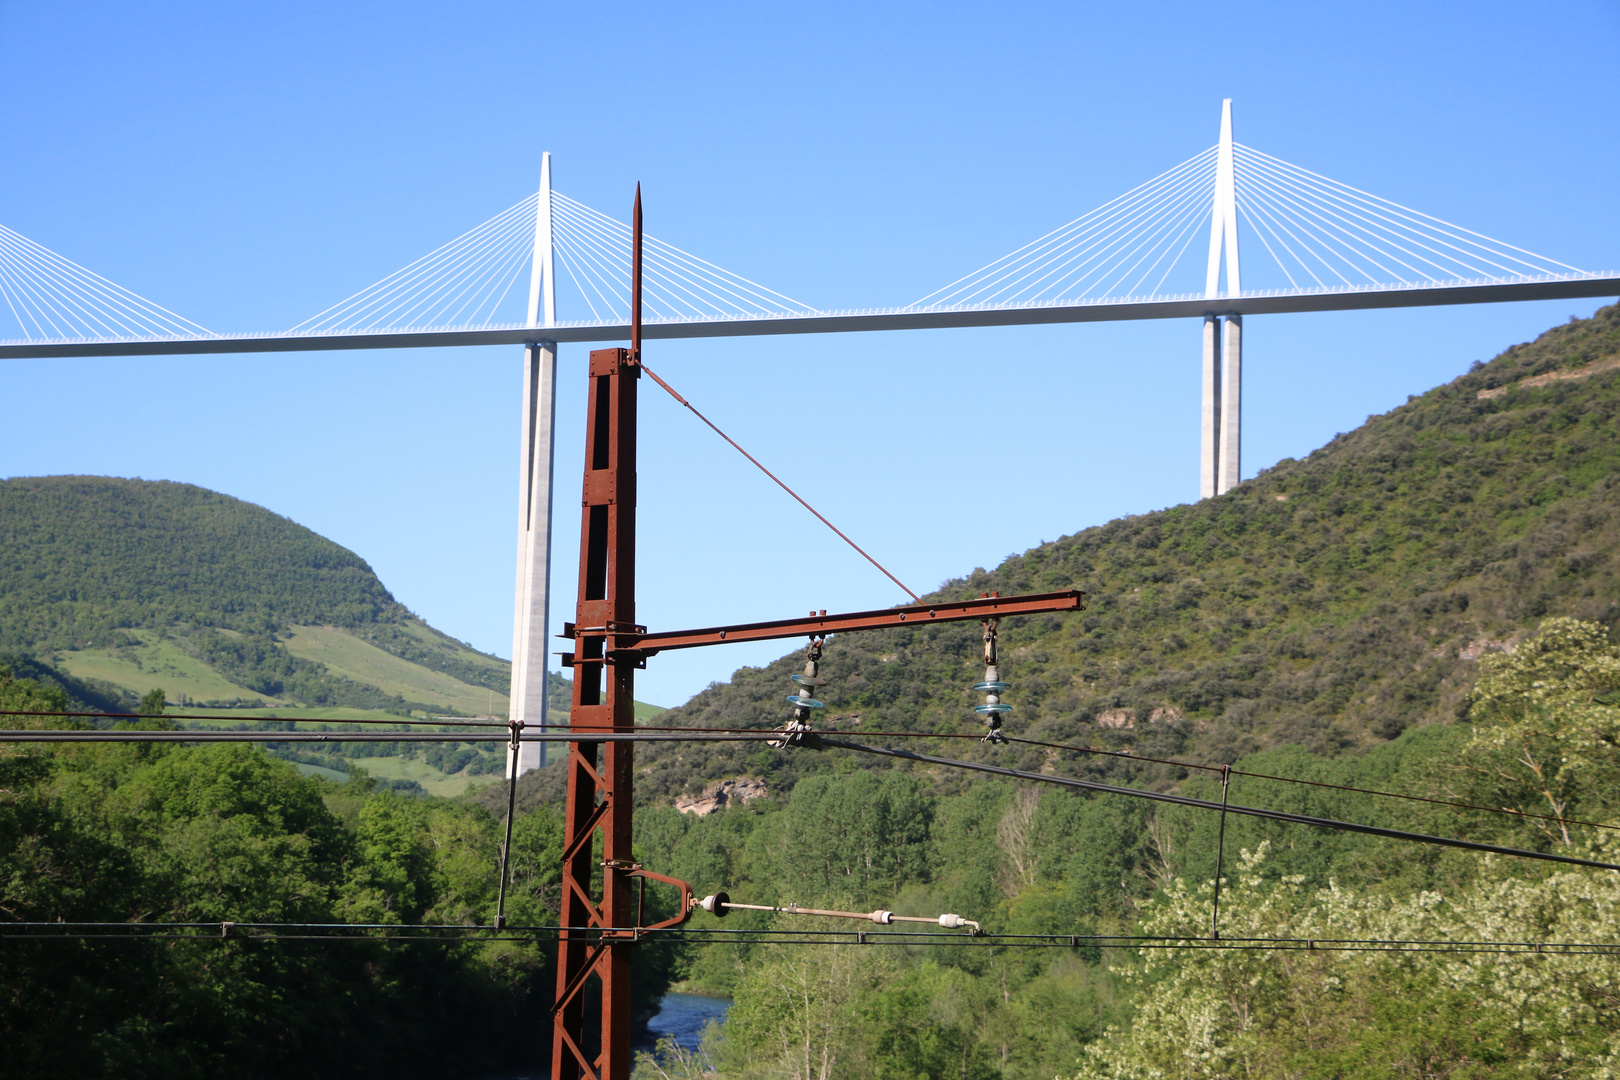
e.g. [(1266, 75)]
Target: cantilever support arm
[(634, 642)]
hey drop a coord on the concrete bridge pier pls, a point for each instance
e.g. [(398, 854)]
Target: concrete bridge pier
[(1221, 436), (536, 446), (1209, 436), (533, 593), (1231, 405)]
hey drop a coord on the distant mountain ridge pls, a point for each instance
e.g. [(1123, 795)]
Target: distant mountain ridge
[(124, 584), (84, 556)]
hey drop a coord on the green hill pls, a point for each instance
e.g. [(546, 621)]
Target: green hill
[(112, 587), (83, 557), (129, 578), (1332, 602)]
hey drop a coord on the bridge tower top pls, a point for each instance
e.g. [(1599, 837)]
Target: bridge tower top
[(1223, 221), (542, 270)]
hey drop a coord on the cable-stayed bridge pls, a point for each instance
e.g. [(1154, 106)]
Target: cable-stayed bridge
[(1314, 244)]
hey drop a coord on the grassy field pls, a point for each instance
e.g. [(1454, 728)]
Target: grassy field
[(431, 779), (156, 662), (348, 656), (322, 772), (437, 641)]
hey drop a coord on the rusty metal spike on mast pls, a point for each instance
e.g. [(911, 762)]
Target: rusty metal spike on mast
[(635, 283)]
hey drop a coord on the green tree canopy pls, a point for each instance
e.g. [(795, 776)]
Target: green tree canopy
[(1547, 722)]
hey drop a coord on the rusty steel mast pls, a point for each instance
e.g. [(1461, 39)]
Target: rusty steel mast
[(599, 916), (600, 794)]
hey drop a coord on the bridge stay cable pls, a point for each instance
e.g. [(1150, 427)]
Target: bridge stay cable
[(52, 297), (1307, 223)]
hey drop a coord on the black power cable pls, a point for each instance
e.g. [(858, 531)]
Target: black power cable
[(361, 932), (436, 722), (1204, 804), (1524, 814), (205, 735), (702, 734)]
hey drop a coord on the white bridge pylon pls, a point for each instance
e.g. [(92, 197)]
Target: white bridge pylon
[(1220, 436)]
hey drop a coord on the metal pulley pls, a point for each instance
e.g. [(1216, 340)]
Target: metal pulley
[(992, 686)]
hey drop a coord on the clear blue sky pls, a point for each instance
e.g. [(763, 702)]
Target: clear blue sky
[(248, 165)]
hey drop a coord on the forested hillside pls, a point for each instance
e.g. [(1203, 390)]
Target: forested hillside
[(1391, 614), (86, 556), (1424, 607), (1329, 603), (115, 589), (128, 572)]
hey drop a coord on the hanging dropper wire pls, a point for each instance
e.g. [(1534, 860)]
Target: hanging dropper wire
[(513, 749)]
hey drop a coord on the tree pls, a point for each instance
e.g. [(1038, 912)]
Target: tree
[(1215, 1014), (1548, 722), (26, 695), (795, 1016), (153, 702)]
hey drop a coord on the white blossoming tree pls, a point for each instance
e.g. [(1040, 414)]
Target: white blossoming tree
[(1547, 724), (1340, 984)]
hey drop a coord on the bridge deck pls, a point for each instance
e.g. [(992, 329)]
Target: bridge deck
[(1252, 303)]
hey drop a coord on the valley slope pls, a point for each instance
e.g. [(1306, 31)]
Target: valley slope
[(114, 587), (1330, 603)]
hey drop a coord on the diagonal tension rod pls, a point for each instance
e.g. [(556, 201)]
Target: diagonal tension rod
[(676, 395)]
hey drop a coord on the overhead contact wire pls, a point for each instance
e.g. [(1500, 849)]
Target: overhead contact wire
[(653, 734), (1205, 804), (227, 930)]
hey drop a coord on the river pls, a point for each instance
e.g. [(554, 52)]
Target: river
[(683, 1016)]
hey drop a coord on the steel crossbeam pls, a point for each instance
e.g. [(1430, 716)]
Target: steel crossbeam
[(634, 643)]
